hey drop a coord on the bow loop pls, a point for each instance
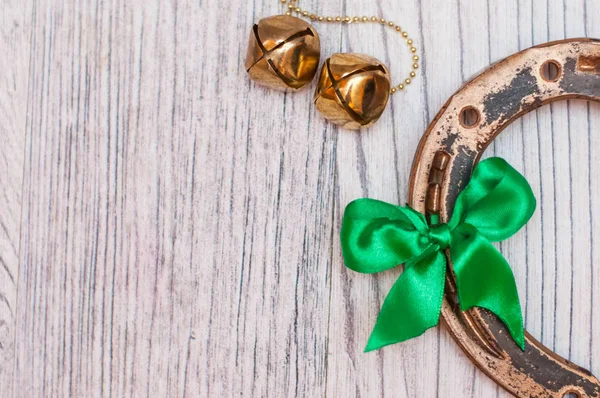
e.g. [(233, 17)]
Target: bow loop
[(377, 236), (497, 201)]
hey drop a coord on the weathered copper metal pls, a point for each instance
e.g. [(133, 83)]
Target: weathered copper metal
[(442, 167), (353, 90), (283, 52)]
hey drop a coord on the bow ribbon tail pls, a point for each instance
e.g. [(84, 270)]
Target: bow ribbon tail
[(484, 279), (413, 304)]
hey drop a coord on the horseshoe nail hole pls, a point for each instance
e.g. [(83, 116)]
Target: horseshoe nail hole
[(550, 71), (589, 64), (469, 117)]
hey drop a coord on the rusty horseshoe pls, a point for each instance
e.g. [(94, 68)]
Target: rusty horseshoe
[(443, 164)]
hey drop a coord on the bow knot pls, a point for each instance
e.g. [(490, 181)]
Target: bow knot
[(440, 235), (377, 236)]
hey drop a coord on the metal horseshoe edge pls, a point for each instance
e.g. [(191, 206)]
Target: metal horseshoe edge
[(442, 167)]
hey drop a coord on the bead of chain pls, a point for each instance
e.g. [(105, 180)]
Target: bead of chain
[(293, 8)]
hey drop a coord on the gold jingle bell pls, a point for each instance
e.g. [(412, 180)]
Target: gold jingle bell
[(353, 90), (283, 52)]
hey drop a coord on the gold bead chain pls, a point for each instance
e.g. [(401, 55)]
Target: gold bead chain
[(291, 5)]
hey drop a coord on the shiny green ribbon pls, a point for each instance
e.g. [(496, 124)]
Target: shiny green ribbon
[(377, 236)]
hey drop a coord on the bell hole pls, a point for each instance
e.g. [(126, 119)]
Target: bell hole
[(572, 394), (469, 117), (550, 71)]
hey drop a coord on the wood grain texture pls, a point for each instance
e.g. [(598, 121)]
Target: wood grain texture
[(15, 28), (169, 228)]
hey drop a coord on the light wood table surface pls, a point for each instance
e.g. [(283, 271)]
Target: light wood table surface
[(170, 229)]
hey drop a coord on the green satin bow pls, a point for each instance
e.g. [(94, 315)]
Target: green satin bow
[(377, 236)]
